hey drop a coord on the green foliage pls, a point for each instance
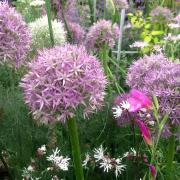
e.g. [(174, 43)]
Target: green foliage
[(151, 31)]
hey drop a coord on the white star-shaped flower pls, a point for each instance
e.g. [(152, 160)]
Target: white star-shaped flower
[(117, 111), (125, 105)]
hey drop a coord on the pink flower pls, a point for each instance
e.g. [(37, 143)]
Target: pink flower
[(153, 171), (138, 100), (145, 132)]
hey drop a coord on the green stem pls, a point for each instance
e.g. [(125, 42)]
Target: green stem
[(48, 10), (105, 59), (91, 10), (72, 127), (122, 19), (170, 157)]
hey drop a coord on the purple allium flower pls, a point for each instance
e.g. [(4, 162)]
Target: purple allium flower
[(69, 8), (60, 80), (14, 36), (78, 33), (177, 18), (121, 4), (100, 7), (102, 32), (163, 12), (156, 75)]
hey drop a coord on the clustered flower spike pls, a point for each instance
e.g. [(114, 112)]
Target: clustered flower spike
[(163, 12), (130, 103), (60, 80), (102, 32), (40, 33), (121, 4), (156, 75), (14, 36)]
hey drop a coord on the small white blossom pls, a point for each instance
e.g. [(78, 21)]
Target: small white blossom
[(117, 111), (171, 37), (143, 110), (50, 168), (42, 150), (106, 164), (139, 44), (125, 105), (87, 159), (174, 25), (37, 3), (59, 161), (157, 48), (119, 167), (99, 153), (30, 168), (152, 123), (132, 150), (27, 172)]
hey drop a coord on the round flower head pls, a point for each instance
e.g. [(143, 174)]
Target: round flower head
[(60, 80), (14, 36), (162, 12), (69, 8), (156, 75), (177, 18), (121, 4), (40, 33), (77, 32), (102, 32)]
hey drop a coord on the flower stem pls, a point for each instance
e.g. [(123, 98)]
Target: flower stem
[(105, 58), (170, 157), (122, 15), (72, 127), (48, 10)]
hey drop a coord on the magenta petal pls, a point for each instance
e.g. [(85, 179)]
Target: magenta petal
[(135, 105), (153, 171), (138, 100), (145, 132)]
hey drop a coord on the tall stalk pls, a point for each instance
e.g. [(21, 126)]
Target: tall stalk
[(122, 14), (48, 10), (105, 58), (170, 157), (72, 127)]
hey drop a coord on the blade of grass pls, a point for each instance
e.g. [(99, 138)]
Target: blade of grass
[(48, 11)]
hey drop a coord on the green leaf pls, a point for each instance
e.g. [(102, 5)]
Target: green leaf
[(155, 101), (155, 33), (163, 122), (111, 6), (147, 26), (130, 14), (147, 39)]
